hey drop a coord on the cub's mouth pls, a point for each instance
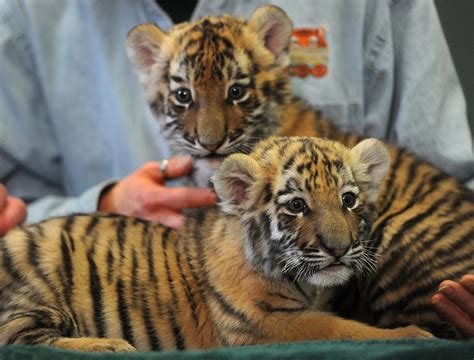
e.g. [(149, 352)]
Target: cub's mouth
[(215, 156), (326, 274), (331, 275)]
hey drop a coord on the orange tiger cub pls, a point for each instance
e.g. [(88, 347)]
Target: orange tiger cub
[(230, 277), (220, 84)]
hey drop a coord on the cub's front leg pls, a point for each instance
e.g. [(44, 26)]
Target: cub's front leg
[(286, 327)]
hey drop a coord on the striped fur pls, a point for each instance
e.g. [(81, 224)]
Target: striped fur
[(110, 283), (424, 235), (425, 232), (207, 58)]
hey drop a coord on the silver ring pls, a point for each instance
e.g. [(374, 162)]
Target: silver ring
[(163, 166)]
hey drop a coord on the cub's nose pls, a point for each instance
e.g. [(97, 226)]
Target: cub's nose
[(336, 249), (212, 147)]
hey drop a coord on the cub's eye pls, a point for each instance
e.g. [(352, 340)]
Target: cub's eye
[(296, 206), (349, 199), (236, 92), (183, 96)]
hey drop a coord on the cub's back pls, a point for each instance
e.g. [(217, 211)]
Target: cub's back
[(80, 271)]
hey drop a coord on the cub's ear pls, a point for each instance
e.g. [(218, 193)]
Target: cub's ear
[(274, 28), (238, 183), (370, 163), (143, 45)]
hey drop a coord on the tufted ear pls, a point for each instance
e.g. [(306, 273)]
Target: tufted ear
[(143, 48), (238, 183), (370, 163), (274, 28)]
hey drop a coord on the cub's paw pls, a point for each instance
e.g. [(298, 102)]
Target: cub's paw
[(94, 344), (113, 345), (413, 331)]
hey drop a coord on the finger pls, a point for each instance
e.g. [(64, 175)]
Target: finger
[(468, 282), (14, 213), (3, 196), (182, 197), (15, 209), (167, 217), (453, 315), (458, 295), (177, 166)]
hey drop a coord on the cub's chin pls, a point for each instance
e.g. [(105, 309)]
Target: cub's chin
[(203, 169), (332, 275)]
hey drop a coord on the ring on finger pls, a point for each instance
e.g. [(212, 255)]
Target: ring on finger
[(163, 167)]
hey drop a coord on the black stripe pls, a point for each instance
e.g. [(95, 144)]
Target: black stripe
[(33, 255), (94, 220), (39, 229), (411, 175), (22, 336), (177, 79), (121, 237), (187, 288), (153, 278), (69, 223), (67, 269), (269, 308), (388, 201), (110, 263), (150, 327), (267, 193), (153, 337), (124, 314), (179, 340), (9, 265), (96, 294), (240, 329), (135, 285), (284, 297), (300, 290)]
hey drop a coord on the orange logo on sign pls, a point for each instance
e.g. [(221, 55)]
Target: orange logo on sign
[(309, 52)]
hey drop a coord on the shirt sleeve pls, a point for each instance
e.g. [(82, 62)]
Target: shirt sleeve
[(30, 161), (409, 75)]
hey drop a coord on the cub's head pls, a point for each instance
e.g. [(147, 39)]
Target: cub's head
[(217, 84), (304, 206)]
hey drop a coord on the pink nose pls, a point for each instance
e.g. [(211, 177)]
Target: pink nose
[(212, 147)]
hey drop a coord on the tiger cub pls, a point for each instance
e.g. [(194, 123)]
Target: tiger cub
[(220, 84), (294, 211)]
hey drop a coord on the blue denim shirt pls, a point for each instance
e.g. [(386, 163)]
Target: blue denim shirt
[(73, 116)]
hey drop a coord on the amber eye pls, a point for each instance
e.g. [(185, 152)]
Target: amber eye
[(183, 96), (236, 92), (296, 206), (349, 199)]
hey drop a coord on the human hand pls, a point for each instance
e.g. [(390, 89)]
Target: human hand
[(143, 194), (12, 211), (455, 302)]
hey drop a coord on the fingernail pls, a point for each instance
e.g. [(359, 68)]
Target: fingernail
[(446, 289), (212, 195)]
